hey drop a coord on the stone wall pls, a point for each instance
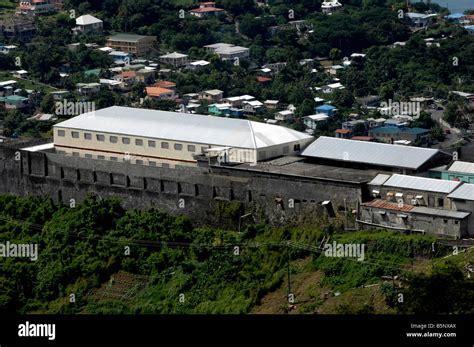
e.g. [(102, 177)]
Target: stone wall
[(194, 191)]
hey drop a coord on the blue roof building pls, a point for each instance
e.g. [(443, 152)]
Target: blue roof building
[(326, 109)]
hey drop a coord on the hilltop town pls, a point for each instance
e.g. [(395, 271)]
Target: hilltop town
[(279, 125)]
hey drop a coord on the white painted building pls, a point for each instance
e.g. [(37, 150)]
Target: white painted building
[(151, 137)]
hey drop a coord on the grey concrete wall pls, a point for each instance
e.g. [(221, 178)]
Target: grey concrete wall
[(194, 191)]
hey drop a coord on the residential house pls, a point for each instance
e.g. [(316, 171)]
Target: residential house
[(36, 7), (212, 95), (227, 51), (146, 76), (165, 84), (120, 58), (88, 24), (420, 20), (20, 73), (238, 101), (470, 29), (15, 102), (392, 134), (197, 65), (7, 87), (138, 45), (271, 104), (330, 6), (59, 95), (127, 79), (456, 171), (284, 115), (7, 49), (207, 9), (88, 89), (314, 120), (174, 59), (330, 88), (326, 109), (252, 107), (161, 93), (343, 134), (17, 28)]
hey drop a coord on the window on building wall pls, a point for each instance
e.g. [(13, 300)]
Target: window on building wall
[(113, 139), (75, 134), (75, 154), (151, 143), (445, 221), (138, 142), (296, 147), (440, 202), (87, 136), (126, 140), (100, 137), (165, 145), (100, 157), (113, 159), (139, 161), (178, 146), (456, 222), (165, 165), (191, 148), (203, 149), (152, 163), (61, 133), (88, 156)]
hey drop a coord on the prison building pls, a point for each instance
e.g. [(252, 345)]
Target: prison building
[(413, 190), (159, 138), (463, 200), (418, 219), (376, 156)]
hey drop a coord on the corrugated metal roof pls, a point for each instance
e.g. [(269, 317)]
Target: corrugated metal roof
[(440, 212), (462, 166), (379, 180), (421, 183), (464, 192), (389, 205), (369, 152), (184, 127)]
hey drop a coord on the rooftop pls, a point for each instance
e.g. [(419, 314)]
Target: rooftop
[(464, 192), (421, 183), (462, 166), (184, 127), (87, 19), (127, 37), (369, 153)]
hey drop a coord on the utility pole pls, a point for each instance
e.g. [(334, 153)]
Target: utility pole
[(288, 268)]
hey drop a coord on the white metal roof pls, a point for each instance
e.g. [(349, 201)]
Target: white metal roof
[(174, 55), (369, 152), (7, 83), (462, 166), (464, 192), (318, 117), (379, 180), (421, 183), (87, 19), (184, 127)]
